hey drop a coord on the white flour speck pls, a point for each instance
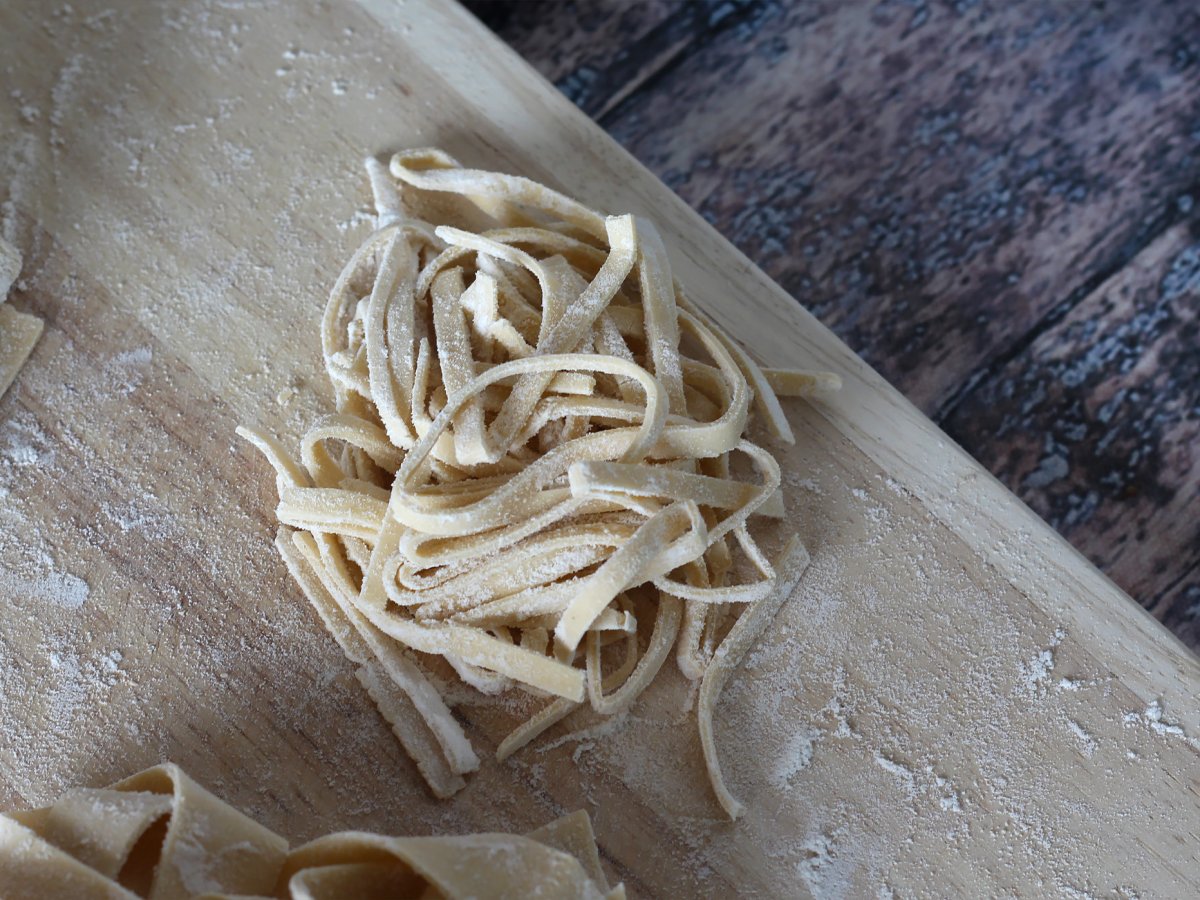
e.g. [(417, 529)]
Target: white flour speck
[(1086, 741), (798, 753), (814, 868), (1035, 672), (948, 800), (1152, 717), (905, 774), (59, 588)]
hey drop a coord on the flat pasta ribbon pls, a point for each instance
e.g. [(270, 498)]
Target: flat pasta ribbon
[(18, 331), (161, 836)]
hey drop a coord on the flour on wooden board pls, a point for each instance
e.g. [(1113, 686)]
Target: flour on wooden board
[(807, 725), (1153, 718), (796, 758), (62, 589), (814, 868), (1087, 743), (23, 442), (1036, 671), (127, 369)]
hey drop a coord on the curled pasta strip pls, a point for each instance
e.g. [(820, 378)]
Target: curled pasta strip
[(159, 835), (539, 467), (746, 630)]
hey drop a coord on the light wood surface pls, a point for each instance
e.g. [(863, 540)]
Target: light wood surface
[(955, 702)]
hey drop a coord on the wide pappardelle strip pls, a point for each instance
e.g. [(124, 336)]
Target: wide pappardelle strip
[(539, 466), (159, 835), (18, 331)]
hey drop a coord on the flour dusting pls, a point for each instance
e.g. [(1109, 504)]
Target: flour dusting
[(1153, 717), (905, 775), (797, 755), (814, 868), (1087, 743), (1036, 672), (61, 589)]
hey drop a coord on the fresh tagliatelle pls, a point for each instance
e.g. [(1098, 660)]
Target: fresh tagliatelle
[(159, 835), (538, 469)]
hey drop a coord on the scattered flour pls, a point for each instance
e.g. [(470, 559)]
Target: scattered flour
[(62, 96), (23, 442), (586, 737), (139, 356), (907, 778), (949, 800), (127, 369), (357, 218), (814, 868), (62, 589), (950, 803), (796, 758), (1152, 717), (841, 721), (146, 515), (1086, 741), (1035, 672)]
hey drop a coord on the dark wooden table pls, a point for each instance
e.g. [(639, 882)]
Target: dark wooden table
[(996, 204)]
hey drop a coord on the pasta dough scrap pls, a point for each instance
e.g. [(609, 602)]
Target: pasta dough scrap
[(10, 267), (18, 331), (159, 835), (539, 467)]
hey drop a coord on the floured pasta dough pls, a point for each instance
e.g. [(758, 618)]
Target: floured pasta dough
[(538, 469), (159, 835), (18, 331), (10, 267)]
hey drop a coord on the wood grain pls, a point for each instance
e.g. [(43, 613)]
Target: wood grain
[(888, 198), (599, 53), (1095, 426), (591, 50), (942, 186), (953, 702)]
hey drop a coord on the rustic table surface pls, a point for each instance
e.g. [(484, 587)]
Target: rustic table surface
[(953, 703), (994, 204)]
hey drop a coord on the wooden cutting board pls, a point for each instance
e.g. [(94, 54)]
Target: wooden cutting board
[(954, 701)]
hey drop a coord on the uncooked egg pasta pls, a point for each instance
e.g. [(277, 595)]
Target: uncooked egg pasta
[(18, 331), (539, 468), (159, 835)]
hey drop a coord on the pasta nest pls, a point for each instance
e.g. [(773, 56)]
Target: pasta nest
[(539, 467)]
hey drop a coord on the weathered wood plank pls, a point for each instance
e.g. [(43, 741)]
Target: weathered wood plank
[(1096, 428), (931, 182), (594, 50)]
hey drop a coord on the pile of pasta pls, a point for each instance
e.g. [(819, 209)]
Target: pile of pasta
[(539, 467), (159, 835)]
